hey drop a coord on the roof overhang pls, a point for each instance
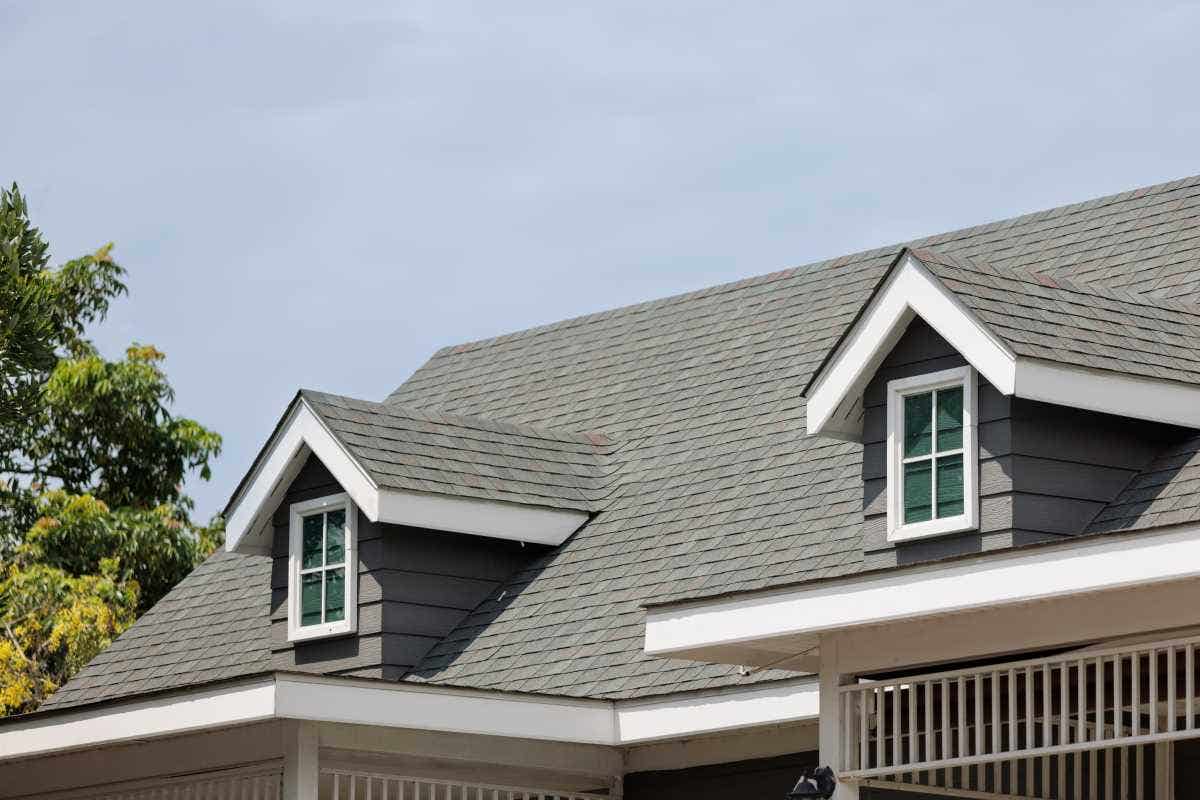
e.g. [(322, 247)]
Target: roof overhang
[(405, 705), (910, 290), (301, 432), (786, 626)]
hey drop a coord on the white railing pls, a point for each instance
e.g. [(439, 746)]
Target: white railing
[(1076, 725), (245, 783), (343, 784)]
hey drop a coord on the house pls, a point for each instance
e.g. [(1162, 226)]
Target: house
[(928, 515)]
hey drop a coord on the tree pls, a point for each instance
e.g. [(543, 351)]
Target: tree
[(94, 524)]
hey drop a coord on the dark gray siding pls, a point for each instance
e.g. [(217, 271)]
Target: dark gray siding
[(1045, 471), (767, 778), (414, 587)]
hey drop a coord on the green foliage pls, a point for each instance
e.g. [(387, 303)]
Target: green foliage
[(154, 547), (44, 311), (53, 624), (107, 420), (94, 525)]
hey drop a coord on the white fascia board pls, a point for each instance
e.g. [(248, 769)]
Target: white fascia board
[(437, 709), (161, 716), (302, 432), (1109, 392), (493, 518), (360, 702), (1090, 564), (659, 719), (909, 291)]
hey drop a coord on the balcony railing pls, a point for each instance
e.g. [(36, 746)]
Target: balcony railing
[(1076, 725), (344, 784)]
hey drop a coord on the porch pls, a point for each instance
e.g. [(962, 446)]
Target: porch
[(1064, 671)]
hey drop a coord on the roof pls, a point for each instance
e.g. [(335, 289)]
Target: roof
[(714, 487), (213, 626), (431, 451), (1074, 322)]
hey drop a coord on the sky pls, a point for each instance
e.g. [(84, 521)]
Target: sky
[(320, 195)]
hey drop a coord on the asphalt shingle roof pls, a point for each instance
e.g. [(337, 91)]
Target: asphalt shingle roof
[(1077, 323), (715, 487), (431, 451), (213, 626)]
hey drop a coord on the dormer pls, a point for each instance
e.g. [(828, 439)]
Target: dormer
[(1000, 407), (387, 526)]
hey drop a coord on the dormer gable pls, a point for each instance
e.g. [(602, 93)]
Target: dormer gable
[(998, 408), (1030, 336), (425, 469)]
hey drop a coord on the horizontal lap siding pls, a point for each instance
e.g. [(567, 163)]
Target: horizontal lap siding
[(1045, 471), (414, 587)]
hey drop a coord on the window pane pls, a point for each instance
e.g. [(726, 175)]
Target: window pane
[(335, 595), (918, 491), (950, 486), (918, 419), (312, 541), (950, 419), (335, 537), (310, 599)]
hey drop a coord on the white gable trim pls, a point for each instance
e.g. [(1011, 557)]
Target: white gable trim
[(910, 291), (732, 628), (302, 431), (381, 703)]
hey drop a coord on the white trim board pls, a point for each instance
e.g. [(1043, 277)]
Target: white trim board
[(142, 719), (674, 717), (786, 620), (398, 705), (911, 290), (302, 432)]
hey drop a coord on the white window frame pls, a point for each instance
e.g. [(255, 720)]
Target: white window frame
[(897, 390), (298, 511)]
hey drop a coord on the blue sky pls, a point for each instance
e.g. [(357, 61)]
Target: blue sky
[(322, 194)]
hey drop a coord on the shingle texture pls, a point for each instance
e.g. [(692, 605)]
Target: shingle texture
[(431, 451), (715, 486), (213, 626), (1166, 493), (1076, 323)]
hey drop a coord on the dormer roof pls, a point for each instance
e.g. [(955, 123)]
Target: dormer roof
[(1029, 334), (451, 472)]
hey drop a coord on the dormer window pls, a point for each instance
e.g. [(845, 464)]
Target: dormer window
[(323, 575), (932, 455)]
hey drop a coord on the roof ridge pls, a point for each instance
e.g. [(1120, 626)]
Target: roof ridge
[(941, 240)]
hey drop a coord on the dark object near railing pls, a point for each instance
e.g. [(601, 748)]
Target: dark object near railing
[(815, 783)]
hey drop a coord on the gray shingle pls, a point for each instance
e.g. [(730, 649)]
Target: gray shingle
[(1077, 323), (433, 451)]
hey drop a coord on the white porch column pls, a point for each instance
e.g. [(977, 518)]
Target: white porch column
[(1164, 769), (831, 741), (300, 767)]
